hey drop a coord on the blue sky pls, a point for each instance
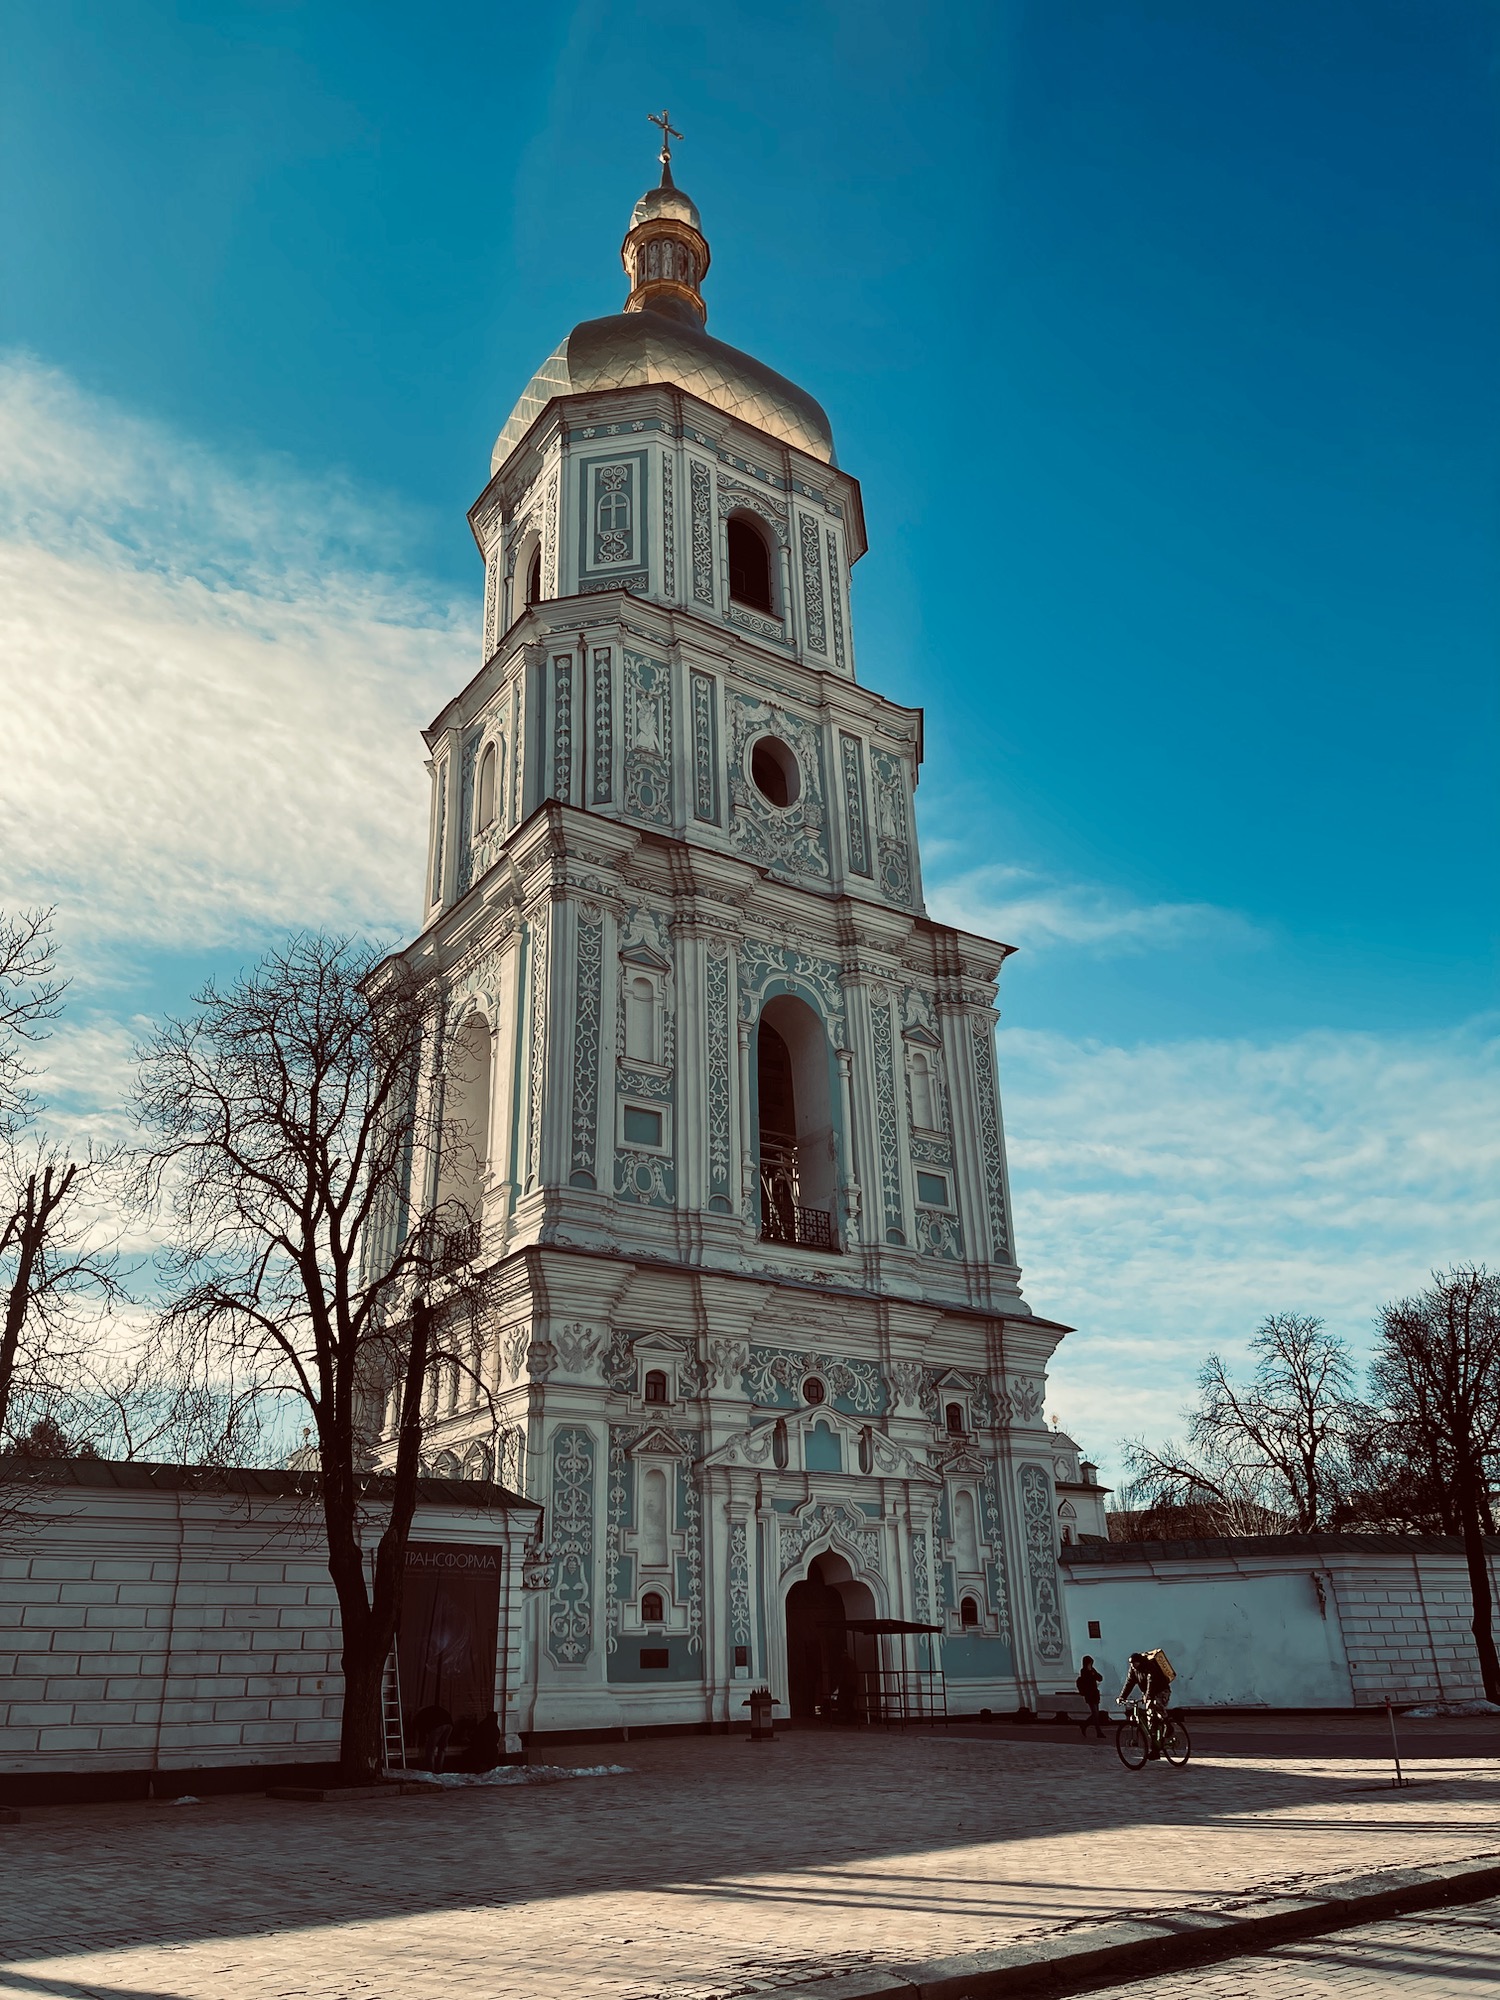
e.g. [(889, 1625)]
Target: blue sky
[(1161, 337)]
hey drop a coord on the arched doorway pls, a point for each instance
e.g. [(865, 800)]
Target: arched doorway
[(825, 1661)]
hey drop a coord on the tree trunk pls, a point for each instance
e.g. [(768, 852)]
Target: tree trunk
[(362, 1735), (1479, 1590)]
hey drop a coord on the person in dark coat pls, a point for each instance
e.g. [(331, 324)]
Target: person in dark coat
[(1088, 1684)]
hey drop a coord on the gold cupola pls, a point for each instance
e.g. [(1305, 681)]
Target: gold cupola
[(665, 252)]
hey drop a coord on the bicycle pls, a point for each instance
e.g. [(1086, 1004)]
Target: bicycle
[(1147, 1728)]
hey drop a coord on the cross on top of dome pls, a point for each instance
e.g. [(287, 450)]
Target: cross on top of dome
[(667, 136), (665, 253)]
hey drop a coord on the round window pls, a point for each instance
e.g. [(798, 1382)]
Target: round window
[(813, 1390), (775, 771)]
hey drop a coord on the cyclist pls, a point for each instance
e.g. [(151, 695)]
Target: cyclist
[(1146, 1675)]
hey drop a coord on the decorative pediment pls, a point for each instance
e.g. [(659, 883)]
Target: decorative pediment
[(656, 1441), (921, 1036), (643, 955), (964, 1464), (756, 1447), (953, 1378), (657, 1342)]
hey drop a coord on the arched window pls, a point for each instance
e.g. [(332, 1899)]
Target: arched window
[(534, 578), (923, 1105), (651, 1608), (653, 1535), (749, 565), (655, 1390), (968, 1614), (640, 1020), (953, 1417), (487, 787)]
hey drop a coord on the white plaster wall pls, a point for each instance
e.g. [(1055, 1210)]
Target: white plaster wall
[(1231, 1638), (164, 1630), (1250, 1628)]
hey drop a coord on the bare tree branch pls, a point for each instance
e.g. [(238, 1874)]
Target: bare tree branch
[(304, 1261), (31, 992)]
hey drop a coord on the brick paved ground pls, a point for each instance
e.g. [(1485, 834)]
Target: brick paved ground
[(714, 1867), (1433, 1957)]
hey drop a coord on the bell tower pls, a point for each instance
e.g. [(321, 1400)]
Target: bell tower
[(733, 1165)]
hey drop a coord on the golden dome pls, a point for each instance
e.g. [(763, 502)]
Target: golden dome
[(627, 350), (659, 338)]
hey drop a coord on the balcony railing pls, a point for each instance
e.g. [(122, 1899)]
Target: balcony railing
[(784, 1217)]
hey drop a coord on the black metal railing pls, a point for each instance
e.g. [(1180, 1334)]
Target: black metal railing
[(784, 1217)]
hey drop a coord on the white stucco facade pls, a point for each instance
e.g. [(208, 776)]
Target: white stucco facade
[(735, 1171), (1284, 1621)]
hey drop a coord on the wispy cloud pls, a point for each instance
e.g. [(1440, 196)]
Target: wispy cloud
[(212, 680), (1169, 1196), (1021, 907)]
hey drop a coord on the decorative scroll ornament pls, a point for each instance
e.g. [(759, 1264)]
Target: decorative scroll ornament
[(700, 483), (1041, 1561), (835, 1521), (587, 1021), (570, 1622), (761, 963)]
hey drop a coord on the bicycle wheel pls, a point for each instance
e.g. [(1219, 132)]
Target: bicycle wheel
[(1176, 1744), (1132, 1745)]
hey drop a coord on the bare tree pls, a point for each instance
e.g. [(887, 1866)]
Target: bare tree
[(31, 992), (1437, 1375), (1273, 1452), (1173, 1492), (281, 1131), (59, 1274), (59, 1278)]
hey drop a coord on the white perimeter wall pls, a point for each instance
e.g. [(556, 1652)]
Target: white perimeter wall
[(1251, 1628), (162, 1630)]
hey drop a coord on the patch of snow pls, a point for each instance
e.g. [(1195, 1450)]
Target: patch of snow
[(1455, 1708), (511, 1774)]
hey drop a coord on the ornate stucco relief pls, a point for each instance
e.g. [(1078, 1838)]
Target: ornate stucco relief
[(885, 1115), (812, 583), (648, 739), (603, 759), (701, 487), (892, 825), (794, 837), (773, 1376), (570, 1620), (982, 1037), (760, 964), (719, 1081), (705, 749), (856, 819), (836, 601), (587, 1023), (1041, 1561)]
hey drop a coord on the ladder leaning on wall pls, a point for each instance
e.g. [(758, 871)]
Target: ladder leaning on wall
[(395, 1726)]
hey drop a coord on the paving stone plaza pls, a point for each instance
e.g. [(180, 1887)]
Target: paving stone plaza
[(714, 1867)]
